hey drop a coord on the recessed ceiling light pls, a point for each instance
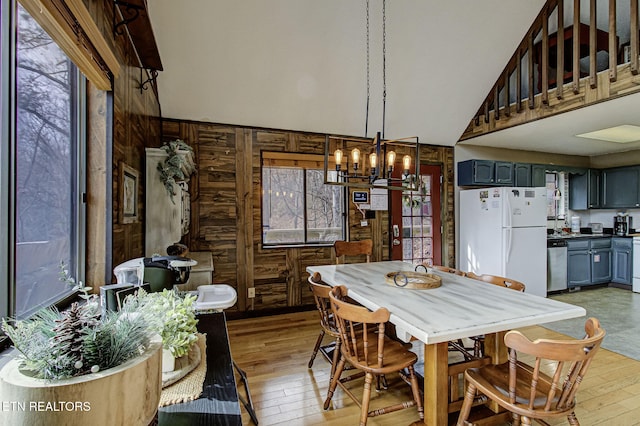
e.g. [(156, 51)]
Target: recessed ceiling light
[(619, 134)]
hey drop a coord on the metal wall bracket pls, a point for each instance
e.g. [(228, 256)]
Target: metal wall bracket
[(132, 12), (150, 80)]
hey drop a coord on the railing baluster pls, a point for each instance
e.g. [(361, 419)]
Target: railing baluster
[(519, 80), (531, 81), (486, 111), (634, 36), (496, 101), (576, 46), (613, 42), (507, 101), (560, 51), (593, 28), (545, 57)]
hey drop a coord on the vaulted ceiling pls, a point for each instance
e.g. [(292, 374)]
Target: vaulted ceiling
[(302, 65)]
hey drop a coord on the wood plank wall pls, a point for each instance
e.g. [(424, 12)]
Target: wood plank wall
[(226, 216), (136, 124)]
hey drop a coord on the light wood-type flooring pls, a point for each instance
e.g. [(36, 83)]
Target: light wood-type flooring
[(274, 352)]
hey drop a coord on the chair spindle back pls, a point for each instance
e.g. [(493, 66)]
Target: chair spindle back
[(558, 394), (355, 325)]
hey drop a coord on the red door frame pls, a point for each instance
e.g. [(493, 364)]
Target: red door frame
[(436, 211)]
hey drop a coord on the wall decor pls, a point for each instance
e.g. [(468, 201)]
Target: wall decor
[(129, 180)]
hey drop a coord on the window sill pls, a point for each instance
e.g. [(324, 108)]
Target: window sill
[(287, 246)]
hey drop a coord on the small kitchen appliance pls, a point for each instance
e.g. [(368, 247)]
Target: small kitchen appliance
[(622, 224), (596, 228)]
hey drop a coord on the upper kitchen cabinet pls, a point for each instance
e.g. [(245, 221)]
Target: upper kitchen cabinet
[(504, 173), (538, 172), (522, 174), (620, 187), (485, 173), (526, 174), (585, 190)]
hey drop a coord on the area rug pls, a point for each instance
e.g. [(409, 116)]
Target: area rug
[(618, 311), (190, 386)]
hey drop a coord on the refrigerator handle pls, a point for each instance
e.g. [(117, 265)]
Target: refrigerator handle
[(507, 209), (509, 237)]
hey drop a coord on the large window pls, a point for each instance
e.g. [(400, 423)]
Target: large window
[(45, 154), (297, 207)]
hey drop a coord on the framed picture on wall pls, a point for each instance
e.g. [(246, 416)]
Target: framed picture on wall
[(129, 179)]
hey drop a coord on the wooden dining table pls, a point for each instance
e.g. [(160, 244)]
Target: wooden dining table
[(461, 307)]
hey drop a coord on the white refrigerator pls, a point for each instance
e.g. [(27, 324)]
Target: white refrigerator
[(503, 231)]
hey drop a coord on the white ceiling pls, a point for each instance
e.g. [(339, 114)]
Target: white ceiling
[(556, 134), (301, 65)]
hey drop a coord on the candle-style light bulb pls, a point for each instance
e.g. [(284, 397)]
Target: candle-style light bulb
[(355, 156), (337, 155), (406, 164), (391, 159), (373, 161)]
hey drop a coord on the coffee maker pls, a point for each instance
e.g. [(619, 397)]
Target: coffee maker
[(622, 224)]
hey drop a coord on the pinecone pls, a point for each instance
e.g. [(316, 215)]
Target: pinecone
[(70, 331)]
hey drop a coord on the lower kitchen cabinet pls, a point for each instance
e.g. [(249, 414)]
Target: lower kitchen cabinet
[(622, 250), (588, 261), (578, 268)]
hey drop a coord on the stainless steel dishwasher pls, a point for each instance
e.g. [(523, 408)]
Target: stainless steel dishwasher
[(556, 264)]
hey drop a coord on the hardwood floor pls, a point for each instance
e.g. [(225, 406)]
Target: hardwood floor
[(274, 351)]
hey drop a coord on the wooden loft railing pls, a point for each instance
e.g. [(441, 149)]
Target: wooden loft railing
[(545, 74)]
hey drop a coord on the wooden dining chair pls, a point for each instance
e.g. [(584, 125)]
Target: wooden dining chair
[(456, 345), (344, 249), (478, 341), (366, 347), (449, 270), (327, 322), (544, 390), (498, 280)]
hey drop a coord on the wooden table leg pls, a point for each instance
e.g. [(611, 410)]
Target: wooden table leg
[(495, 348), (436, 384)]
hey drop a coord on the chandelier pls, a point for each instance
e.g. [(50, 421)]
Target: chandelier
[(363, 163), (360, 163)]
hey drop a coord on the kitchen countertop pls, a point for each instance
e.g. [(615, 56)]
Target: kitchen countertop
[(569, 236)]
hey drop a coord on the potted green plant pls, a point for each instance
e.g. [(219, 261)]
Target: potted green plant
[(178, 165), (173, 318), (73, 366)]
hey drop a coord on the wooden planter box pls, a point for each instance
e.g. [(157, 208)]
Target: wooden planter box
[(124, 395)]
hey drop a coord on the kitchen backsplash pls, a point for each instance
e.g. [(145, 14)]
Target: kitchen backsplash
[(599, 216)]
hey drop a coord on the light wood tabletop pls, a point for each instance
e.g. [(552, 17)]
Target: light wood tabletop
[(461, 307)]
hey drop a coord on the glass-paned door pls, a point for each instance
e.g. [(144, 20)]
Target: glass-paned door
[(415, 221)]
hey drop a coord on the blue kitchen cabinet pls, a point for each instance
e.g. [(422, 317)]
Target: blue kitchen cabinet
[(622, 268), (585, 190), (476, 172), (504, 173), (620, 186), (588, 261), (578, 263), (538, 175), (600, 266), (522, 174), (485, 173)]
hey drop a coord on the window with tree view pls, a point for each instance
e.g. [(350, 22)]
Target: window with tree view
[(297, 207), (48, 160)]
